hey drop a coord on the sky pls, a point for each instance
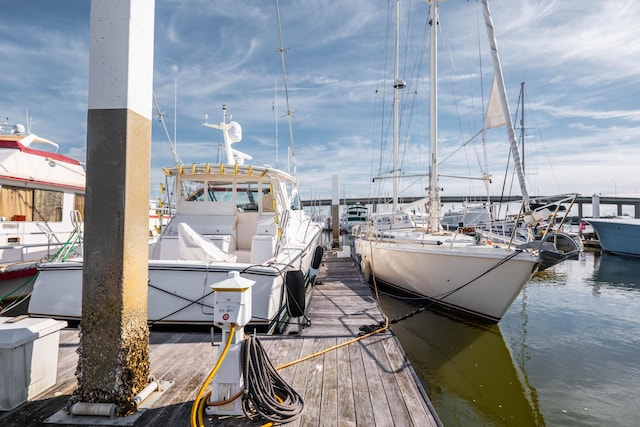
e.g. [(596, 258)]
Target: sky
[(580, 62)]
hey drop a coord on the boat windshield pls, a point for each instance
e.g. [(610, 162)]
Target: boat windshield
[(245, 195)]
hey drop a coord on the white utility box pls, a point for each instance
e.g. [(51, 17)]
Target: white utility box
[(232, 301), (232, 305), (28, 358)]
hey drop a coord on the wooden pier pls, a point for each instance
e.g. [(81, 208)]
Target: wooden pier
[(364, 383)]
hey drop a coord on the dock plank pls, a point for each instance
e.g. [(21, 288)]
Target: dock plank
[(406, 379), (394, 394), (362, 397), (346, 405), (313, 389), (329, 398)]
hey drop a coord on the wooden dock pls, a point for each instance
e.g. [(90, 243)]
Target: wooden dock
[(365, 383)]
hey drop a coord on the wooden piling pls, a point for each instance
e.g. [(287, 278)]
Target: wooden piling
[(113, 363)]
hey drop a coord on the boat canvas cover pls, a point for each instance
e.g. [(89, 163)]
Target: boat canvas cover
[(23, 163), (193, 246)]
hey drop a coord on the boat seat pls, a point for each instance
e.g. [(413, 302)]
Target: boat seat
[(262, 248), (266, 225)]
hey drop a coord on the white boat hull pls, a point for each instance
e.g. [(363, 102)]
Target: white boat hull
[(469, 279), (179, 292)]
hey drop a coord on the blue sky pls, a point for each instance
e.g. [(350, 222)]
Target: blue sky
[(579, 61)]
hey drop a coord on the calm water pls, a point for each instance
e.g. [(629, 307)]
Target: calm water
[(567, 353)]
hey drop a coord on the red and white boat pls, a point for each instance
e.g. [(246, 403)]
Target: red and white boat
[(41, 205)]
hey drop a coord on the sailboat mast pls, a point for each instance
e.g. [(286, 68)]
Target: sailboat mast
[(434, 196), (522, 130), (396, 100), (515, 152)]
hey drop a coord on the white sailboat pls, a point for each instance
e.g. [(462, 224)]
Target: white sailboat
[(469, 274)]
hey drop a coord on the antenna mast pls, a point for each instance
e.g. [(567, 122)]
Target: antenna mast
[(174, 153)]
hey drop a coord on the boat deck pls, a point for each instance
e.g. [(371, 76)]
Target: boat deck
[(367, 382)]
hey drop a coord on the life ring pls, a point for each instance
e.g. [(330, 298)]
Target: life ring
[(317, 257), (294, 281)]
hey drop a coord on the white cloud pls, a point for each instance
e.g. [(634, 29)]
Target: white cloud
[(578, 59)]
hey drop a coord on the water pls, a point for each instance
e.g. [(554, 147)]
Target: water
[(567, 353)]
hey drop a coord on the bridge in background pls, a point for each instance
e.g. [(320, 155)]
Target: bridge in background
[(620, 202)]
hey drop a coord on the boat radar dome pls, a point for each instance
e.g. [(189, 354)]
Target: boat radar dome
[(235, 132)]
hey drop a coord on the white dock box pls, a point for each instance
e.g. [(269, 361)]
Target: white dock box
[(28, 358)]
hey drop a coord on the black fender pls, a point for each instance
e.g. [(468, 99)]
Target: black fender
[(317, 257), (296, 298)]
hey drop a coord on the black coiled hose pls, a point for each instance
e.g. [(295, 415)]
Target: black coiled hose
[(267, 396)]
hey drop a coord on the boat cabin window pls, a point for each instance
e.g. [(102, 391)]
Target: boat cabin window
[(192, 191), (79, 203), (216, 191), (247, 196), (220, 191), (296, 204), (27, 204)]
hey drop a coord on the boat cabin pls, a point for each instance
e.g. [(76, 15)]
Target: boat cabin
[(239, 209)]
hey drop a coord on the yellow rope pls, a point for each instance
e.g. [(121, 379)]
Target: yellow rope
[(377, 331)]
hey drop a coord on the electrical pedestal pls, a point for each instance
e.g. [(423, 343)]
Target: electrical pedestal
[(232, 305)]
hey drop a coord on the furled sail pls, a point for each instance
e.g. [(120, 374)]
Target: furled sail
[(499, 84)]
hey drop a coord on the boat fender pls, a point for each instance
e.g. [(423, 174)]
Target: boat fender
[(317, 257), (295, 293), (365, 267)]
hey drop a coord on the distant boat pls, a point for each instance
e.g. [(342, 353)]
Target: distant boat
[(617, 235), (230, 218), (354, 215), (469, 274), (470, 215), (41, 205)]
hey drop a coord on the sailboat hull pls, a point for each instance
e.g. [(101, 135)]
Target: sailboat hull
[(473, 280)]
